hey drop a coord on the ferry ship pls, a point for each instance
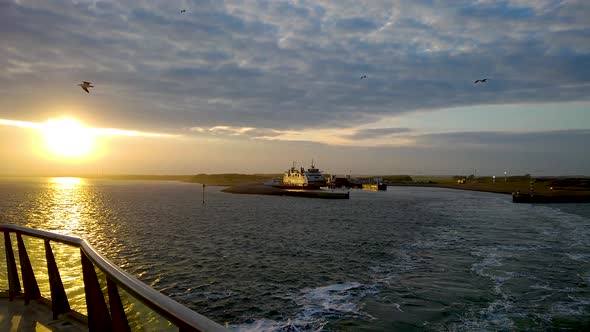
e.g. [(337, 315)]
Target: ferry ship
[(300, 178)]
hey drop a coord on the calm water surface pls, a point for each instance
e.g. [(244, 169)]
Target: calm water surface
[(405, 259)]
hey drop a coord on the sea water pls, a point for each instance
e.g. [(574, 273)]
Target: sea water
[(404, 259)]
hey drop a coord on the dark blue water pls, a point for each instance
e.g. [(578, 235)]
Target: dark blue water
[(405, 259)]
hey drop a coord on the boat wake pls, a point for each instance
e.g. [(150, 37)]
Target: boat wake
[(318, 307)]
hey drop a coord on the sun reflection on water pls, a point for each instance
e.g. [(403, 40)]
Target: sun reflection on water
[(65, 182), (78, 207), (62, 208), (66, 202)]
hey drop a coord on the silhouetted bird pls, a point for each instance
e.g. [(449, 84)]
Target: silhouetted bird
[(364, 76), (485, 80), (85, 85), (183, 11)]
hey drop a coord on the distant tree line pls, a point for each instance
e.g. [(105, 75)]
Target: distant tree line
[(389, 178), (230, 178), (485, 179)]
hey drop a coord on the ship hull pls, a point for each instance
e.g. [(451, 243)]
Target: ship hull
[(308, 187)]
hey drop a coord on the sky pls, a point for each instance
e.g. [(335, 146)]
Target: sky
[(250, 86)]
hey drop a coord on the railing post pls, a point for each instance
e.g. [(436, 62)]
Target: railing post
[(98, 313), (120, 322), (13, 282), (29, 282), (59, 300)]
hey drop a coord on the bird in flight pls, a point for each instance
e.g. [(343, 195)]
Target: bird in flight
[(364, 76), (85, 85), (484, 80), (183, 11)]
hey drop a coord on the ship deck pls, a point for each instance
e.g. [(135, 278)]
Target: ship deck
[(35, 316)]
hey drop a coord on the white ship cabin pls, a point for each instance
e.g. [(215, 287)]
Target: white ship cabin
[(295, 177), (314, 176), (301, 177)]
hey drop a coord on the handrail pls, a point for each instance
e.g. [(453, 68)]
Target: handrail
[(176, 313)]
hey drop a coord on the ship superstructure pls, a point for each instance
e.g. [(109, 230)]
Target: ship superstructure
[(300, 178)]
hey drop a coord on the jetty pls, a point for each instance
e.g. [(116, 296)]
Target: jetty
[(262, 189)]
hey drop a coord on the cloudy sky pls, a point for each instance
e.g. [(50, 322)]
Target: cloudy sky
[(251, 85)]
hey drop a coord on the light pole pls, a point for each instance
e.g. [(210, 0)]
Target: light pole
[(505, 177)]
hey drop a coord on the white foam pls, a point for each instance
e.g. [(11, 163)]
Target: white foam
[(267, 325), (579, 257), (491, 318), (389, 274), (543, 287), (492, 257), (332, 299), (574, 227), (575, 307), (317, 305)]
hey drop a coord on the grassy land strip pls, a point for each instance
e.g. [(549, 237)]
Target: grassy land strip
[(542, 186), (229, 179)]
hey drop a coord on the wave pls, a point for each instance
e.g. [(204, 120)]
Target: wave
[(318, 306)]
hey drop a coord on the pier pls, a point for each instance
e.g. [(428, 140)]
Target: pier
[(261, 189)]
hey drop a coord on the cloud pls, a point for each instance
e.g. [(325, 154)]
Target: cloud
[(356, 24), (21, 124), (571, 141), (334, 136), (95, 131), (377, 133), (540, 141), (292, 65)]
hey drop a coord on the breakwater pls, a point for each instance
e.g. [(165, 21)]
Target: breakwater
[(261, 189)]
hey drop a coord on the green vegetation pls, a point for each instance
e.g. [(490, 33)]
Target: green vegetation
[(434, 179), (229, 179), (522, 183), (208, 179), (548, 186), (388, 178), (397, 178), (147, 177)]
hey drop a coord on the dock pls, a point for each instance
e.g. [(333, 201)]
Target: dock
[(261, 189)]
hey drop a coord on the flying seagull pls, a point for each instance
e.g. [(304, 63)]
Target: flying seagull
[(183, 11), (364, 76), (484, 80), (85, 85)]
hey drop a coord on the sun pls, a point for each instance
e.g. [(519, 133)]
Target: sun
[(68, 138)]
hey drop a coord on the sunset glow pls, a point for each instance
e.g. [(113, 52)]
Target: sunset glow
[(382, 87), (66, 182), (68, 138)]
